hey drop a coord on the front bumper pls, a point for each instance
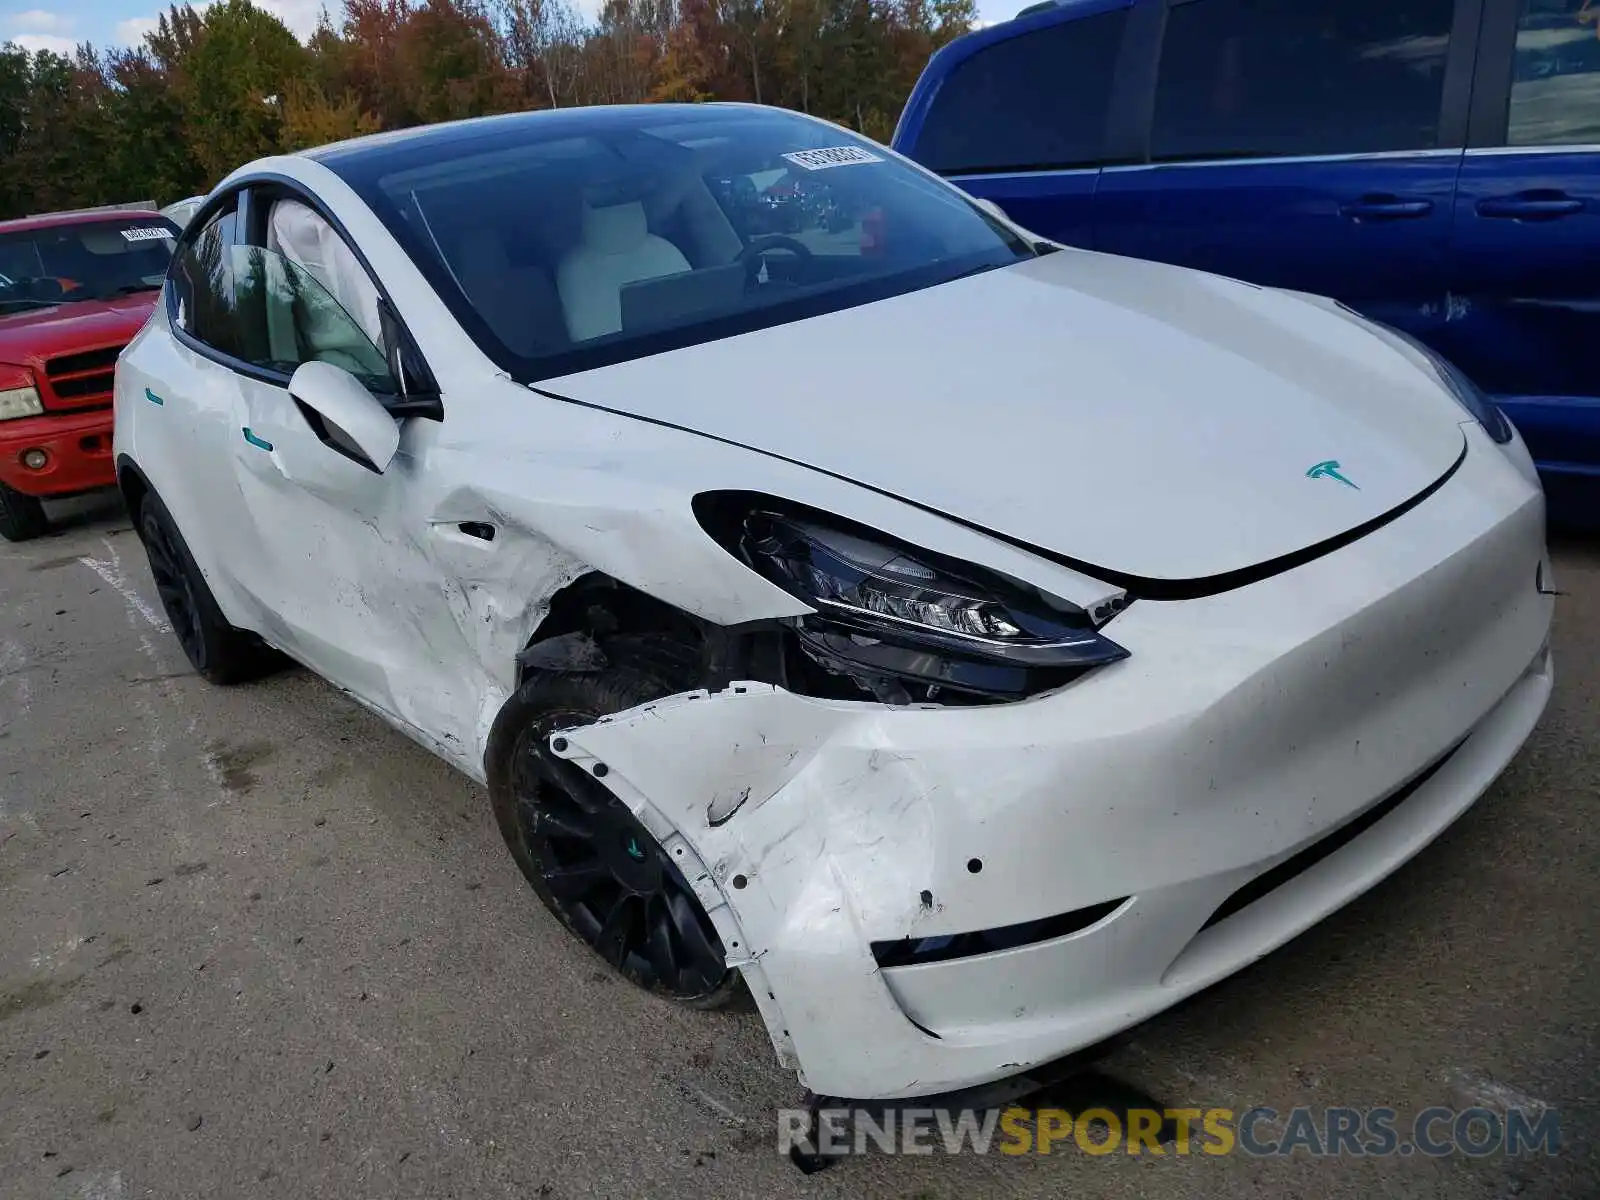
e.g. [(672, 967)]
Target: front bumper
[(78, 445), (1245, 728)]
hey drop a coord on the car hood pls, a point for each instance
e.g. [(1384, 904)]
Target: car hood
[(28, 338), (1151, 422)]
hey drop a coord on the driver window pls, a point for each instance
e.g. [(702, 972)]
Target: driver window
[(297, 232), (303, 299), (299, 320)]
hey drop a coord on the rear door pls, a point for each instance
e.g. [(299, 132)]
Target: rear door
[(1525, 270), (1306, 144), (1018, 114)]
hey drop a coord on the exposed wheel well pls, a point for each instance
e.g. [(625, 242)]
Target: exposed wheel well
[(625, 622), (133, 486)]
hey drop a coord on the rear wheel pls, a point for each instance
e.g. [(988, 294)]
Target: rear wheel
[(217, 650), (589, 859), (21, 516)]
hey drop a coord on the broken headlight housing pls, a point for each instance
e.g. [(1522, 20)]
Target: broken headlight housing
[(905, 624)]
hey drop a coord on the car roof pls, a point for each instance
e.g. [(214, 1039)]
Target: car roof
[(541, 123), (80, 217)]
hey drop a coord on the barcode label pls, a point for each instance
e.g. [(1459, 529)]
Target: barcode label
[(831, 156), (147, 233)]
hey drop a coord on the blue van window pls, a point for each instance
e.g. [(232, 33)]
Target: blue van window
[(1555, 91), (1271, 78), (1032, 102)]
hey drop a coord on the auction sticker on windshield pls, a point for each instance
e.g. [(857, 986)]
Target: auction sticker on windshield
[(831, 156), (147, 233)]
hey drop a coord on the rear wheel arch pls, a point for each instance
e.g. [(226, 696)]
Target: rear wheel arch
[(133, 484)]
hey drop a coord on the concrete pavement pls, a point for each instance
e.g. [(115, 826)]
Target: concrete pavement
[(254, 943)]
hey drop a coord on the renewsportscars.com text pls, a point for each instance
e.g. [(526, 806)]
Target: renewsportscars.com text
[(1259, 1132)]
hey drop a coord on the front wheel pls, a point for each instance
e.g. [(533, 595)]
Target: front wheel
[(589, 859), (21, 516)]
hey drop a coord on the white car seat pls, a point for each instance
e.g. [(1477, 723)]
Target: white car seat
[(616, 248), (518, 303)]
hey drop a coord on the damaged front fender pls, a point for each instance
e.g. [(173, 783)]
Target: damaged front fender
[(794, 849)]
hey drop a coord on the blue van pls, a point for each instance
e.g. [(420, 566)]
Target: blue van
[(1434, 164)]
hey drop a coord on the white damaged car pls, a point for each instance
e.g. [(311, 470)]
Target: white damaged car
[(973, 644)]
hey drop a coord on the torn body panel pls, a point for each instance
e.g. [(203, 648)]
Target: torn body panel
[(1243, 730), (393, 601)]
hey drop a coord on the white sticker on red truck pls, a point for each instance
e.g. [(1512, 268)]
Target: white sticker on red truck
[(147, 233)]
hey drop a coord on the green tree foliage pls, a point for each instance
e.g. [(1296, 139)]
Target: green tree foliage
[(208, 91), (236, 76)]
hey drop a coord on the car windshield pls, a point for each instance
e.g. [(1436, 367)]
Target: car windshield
[(93, 259), (568, 241)]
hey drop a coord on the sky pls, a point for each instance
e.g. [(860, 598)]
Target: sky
[(62, 24)]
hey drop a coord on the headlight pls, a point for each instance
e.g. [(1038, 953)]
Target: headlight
[(19, 402), (1467, 393), (892, 616)]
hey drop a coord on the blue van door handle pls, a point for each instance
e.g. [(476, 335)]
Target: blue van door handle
[(1547, 207), (1385, 208)]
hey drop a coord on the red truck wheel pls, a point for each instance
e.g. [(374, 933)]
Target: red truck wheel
[(21, 517)]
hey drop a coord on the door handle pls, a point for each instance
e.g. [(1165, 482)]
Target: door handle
[(1529, 208), (1385, 208)]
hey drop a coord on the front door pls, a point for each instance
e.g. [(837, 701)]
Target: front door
[(319, 550)]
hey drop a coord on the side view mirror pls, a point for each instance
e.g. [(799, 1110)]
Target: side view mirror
[(344, 415)]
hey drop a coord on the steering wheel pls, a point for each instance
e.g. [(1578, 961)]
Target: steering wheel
[(752, 254)]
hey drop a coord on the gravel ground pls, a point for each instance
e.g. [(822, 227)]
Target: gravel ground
[(256, 944)]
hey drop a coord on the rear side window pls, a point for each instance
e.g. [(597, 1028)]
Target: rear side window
[(1272, 78), (205, 300), (1033, 102), (1555, 88)]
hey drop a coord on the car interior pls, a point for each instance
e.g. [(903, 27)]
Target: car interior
[(571, 247), (90, 260)]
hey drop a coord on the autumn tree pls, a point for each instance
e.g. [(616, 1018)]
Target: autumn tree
[(144, 159), (238, 72), (64, 134), (211, 89)]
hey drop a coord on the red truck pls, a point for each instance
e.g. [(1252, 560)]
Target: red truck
[(74, 289)]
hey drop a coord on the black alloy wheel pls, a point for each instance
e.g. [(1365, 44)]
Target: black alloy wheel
[(607, 878), (588, 857), (218, 651), (172, 584)]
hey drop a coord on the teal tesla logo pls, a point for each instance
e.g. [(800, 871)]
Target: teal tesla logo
[(1329, 470)]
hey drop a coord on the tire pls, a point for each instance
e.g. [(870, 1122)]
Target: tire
[(219, 653), (588, 858), (21, 516)]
